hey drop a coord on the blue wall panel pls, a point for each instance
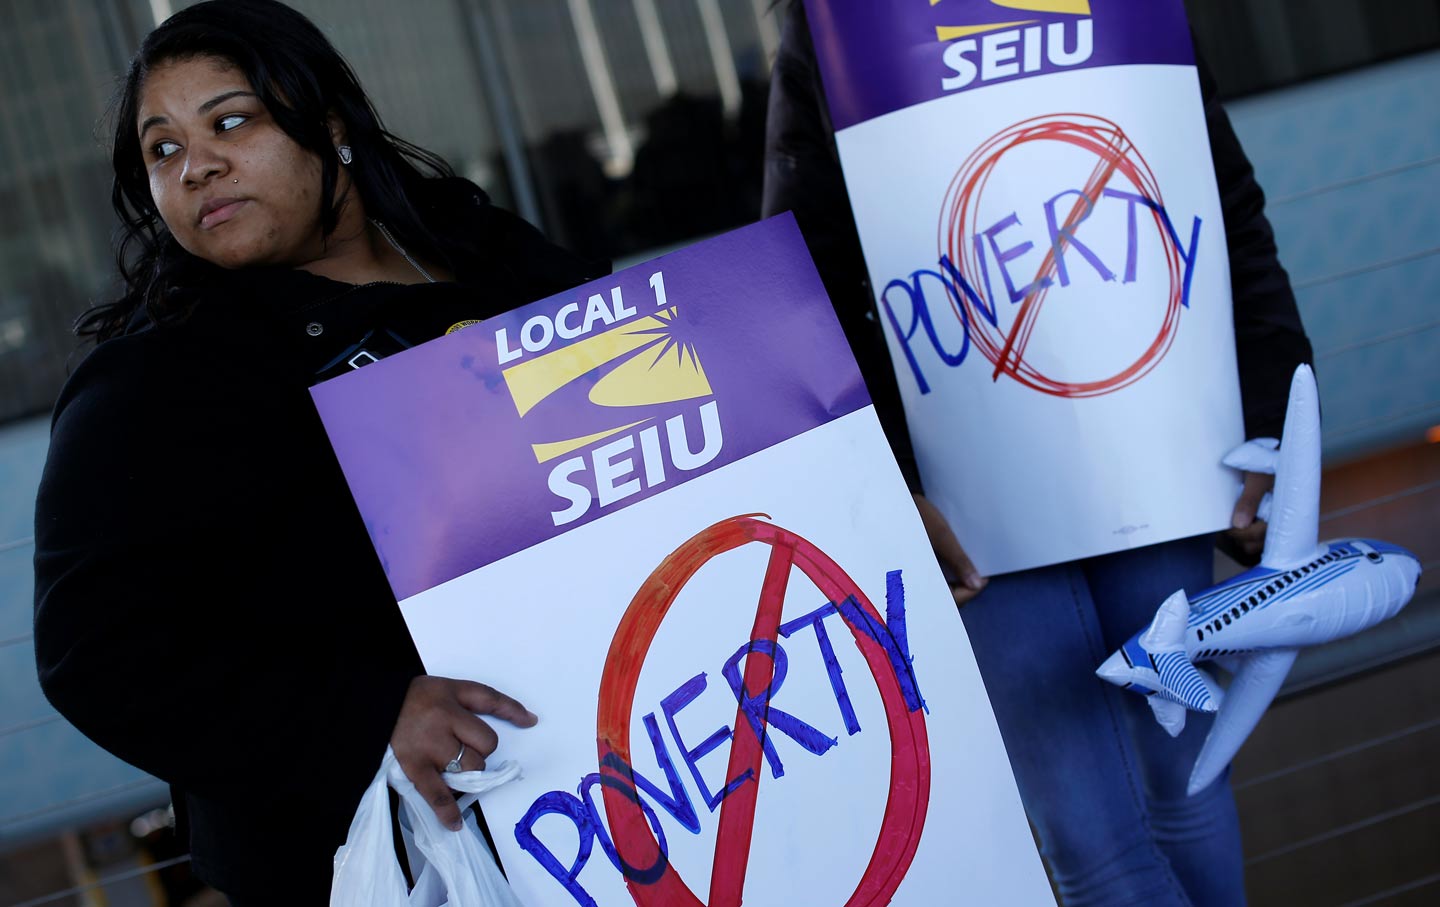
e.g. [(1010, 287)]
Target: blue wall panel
[(17, 579), (1351, 165), (51, 776), (1345, 127), (1358, 225), (21, 701)]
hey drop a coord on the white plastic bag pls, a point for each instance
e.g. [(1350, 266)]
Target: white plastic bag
[(452, 869)]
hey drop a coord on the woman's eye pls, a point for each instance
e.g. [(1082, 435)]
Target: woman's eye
[(226, 123), (164, 149)]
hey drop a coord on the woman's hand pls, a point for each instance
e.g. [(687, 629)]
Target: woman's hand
[(438, 715), (1245, 541), (949, 553)]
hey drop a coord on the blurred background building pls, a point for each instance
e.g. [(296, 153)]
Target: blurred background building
[(626, 127)]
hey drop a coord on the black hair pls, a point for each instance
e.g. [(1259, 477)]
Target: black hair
[(303, 81)]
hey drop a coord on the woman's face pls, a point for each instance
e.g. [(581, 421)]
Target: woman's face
[(233, 188)]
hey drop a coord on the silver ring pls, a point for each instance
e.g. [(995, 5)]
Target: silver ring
[(454, 764)]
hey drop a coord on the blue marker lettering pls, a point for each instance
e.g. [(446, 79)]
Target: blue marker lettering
[(677, 802), (1060, 237), (816, 619), (761, 713), (1188, 256), (920, 317), (559, 803), (1009, 255), (671, 706), (890, 635), (646, 876)]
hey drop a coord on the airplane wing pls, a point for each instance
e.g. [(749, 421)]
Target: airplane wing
[(1293, 534), (1246, 699)]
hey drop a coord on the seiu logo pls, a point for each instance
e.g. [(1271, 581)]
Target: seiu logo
[(632, 382), (1004, 49)]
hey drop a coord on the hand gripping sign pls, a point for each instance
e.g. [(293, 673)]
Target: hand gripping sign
[(744, 720), (1033, 189)]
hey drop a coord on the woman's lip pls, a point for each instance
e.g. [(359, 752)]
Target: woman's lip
[(221, 214)]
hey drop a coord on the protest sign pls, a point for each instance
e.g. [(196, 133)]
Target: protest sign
[(659, 511), (1034, 192)]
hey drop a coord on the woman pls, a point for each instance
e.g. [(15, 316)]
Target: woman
[(1102, 783), (208, 604)]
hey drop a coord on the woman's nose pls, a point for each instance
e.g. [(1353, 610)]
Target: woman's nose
[(203, 164)]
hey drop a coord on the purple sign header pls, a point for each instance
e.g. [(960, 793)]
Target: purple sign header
[(876, 58), (492, 439)]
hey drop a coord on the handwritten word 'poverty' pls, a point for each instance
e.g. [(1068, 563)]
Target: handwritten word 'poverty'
[(757, 715), (962, 296)]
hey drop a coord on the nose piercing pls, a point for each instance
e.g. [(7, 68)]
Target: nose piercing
[(235, 181)]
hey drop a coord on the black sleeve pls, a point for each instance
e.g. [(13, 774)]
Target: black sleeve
[(537, 263), (206, 608), (509, 248), (803, 175), (1269, 338)]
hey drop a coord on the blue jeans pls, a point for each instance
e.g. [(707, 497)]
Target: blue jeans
[(1103, 784)]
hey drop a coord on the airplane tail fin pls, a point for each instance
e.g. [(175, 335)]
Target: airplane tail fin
[(1165, 641), (1295, 507), (1169, 714), (1166, 632), (1156, 664)]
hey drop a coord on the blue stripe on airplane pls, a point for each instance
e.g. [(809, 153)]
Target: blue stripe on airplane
[(1214, 608), (1340, 570)]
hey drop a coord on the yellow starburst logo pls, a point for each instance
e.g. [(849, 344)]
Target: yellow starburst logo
[(646, 362), (1066, 7)]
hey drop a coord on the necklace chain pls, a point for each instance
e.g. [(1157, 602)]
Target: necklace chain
[(401, 249)]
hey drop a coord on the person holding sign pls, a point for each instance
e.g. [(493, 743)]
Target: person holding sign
[(208, 605), (1104, 786)]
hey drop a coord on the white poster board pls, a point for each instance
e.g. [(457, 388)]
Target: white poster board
[(750, 676), (1035, 195)]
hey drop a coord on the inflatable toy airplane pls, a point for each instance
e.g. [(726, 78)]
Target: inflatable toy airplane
[(1303, 593)]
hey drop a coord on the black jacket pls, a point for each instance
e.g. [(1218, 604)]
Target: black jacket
[(208, 606), (802, 174)]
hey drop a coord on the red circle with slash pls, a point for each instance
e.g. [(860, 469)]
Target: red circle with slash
[(909, 794), (1114, 153)]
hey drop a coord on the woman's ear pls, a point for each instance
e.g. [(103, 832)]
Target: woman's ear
[(338, 134)]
